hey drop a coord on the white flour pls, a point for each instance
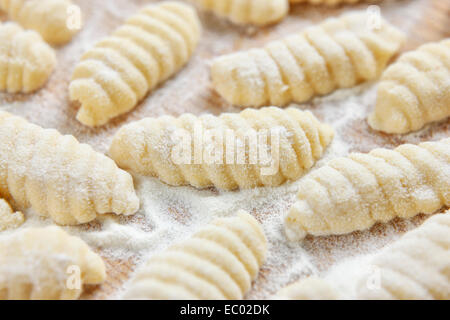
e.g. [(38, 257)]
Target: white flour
[(170, 214)]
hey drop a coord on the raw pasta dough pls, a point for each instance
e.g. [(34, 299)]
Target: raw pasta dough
[(59, 177), (26, 61), (51, 18), (37, 264), (415, 267), (120, 70), (312, 288), (415, 90), (257, 12), (338, 53), (294, 140), (219, 262), (354, 193), (8, 218)]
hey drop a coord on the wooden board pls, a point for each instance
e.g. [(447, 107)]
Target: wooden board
[(190, 91)]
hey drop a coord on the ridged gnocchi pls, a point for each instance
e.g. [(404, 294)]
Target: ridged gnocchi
[(355, 192), (260, 12), (233, 156), (120, 70), (414, 91), (219, 262), (51, 18), (325, 2), (416, 267), (59, 177), (312, 288), (38, 263), (8, 218), (338, 53), (26, 61)]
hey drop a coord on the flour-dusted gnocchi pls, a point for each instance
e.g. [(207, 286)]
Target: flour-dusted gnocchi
[(325, 2), (312, 288), (59, 177), (218, 262), (26, 61), (46, 264), (260, 12), (414, 91), (120, 70), (416, 267), (254, 148), (354, 193), (8, 218), (56, 20), (339, 53)]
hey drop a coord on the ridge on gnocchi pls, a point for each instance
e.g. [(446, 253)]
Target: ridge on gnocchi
[(8, 218)]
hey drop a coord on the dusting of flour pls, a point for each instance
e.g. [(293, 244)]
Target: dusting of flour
[(171, 214)]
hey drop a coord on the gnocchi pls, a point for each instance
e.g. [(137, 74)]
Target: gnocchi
[(414, 91), (260, 12), (120, 70), (51, 18), (338, 53), (416, 267), (325, 2), (312, 288), (219, 262), (254, 148), (26, 61), (37, 263), (354, 193), (59, 177), (8, 218)]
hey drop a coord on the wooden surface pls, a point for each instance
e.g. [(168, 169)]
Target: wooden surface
[(431, 23), (190, 91)]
